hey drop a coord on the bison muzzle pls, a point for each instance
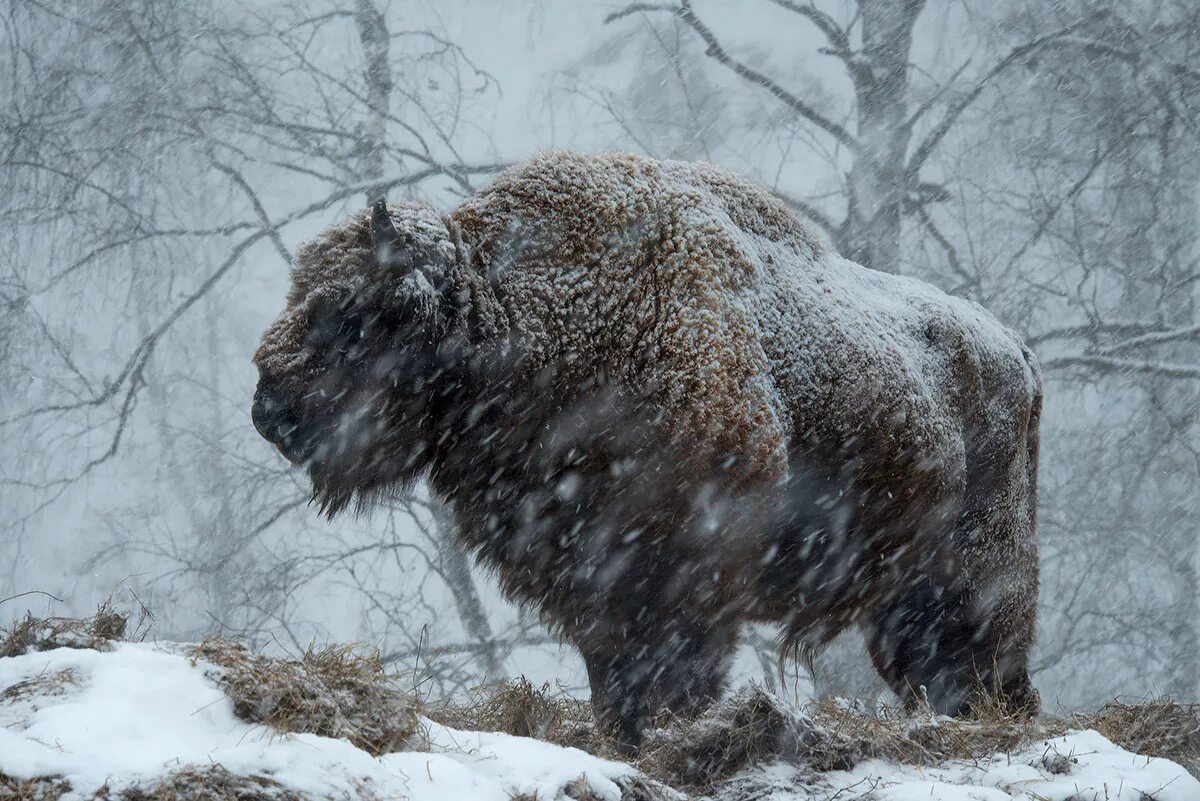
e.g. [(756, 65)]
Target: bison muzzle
[(660, 408)]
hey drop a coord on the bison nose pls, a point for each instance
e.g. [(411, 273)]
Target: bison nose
[(272, 417)]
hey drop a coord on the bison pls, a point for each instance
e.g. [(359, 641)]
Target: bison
[(661, 407)]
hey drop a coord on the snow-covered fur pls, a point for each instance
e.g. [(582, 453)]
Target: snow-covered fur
[(661, 407)]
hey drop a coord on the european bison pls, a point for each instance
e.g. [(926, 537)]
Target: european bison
[(660, 408)]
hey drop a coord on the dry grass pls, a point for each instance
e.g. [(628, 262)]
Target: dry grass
[(39, 686), (211, 783), (752, 726), (520, 709), (341, 692), (923, 739), (98, 632), (1157, 727), (332, 692), (41, 788), (749, 727)]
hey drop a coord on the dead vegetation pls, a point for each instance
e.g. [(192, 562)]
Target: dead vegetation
[(343, 692), (521, 709), (39, 788), (1158, 727), (335, 691), (98, 632), (752, 726), (211, 783), (49, 684), (208, 783)]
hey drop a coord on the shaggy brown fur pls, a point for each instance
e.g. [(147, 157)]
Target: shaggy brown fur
[(660, 408)]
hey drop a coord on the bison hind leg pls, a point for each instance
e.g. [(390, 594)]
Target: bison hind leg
[(934, 644)]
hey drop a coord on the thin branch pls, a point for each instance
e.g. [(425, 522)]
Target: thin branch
[(810, 211), (1108, 364), (636, 8), (1157, 338), (715, 51), (946, 245), (259, 210), (1092, 329), (1070, 194), (934, 137), (836, 35), (31, 592), (933, 98)]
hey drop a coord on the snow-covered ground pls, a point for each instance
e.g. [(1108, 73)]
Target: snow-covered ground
[(141, 712)]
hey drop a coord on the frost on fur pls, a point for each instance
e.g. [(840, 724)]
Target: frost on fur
[(661, 408)]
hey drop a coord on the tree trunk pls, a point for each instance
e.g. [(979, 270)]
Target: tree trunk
[(877, 183), (456, 568), (376, 44)]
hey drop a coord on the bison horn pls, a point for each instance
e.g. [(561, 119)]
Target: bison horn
[(391, 248)]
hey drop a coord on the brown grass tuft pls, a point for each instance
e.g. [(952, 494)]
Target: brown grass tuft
[(39, 788), (923, 739), (521, 709), (332, 692), (748, 727), (1160, 727), (47, 684), (211, 783), (98, 632), (752, 726)]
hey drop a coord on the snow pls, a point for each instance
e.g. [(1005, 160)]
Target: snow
[(1093, 769), (142, 711)]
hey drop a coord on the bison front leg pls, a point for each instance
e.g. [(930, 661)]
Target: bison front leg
[(676, 666)]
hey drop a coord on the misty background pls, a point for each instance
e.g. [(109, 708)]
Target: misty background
[(160, 160)]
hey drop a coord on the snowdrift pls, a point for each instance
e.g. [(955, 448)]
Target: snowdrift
[(85, 714)]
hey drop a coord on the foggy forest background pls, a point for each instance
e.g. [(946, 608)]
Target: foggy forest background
[(160, 160)]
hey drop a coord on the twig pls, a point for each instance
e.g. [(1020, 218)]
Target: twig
[(32, 592), (715, 51)]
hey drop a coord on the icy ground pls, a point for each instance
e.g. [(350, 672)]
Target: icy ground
[(141, 712)]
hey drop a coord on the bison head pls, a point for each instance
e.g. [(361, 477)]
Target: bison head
[(348, 372)]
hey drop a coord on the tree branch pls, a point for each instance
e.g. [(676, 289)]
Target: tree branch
[(946, 245), (810, 211), (836, 35), (259, 211), (716, 52), (1092, 329), (934, 137), (933, 98), (1070, 194), (1157, 338), (1106, 364)]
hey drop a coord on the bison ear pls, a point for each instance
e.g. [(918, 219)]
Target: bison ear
[(393, 250)]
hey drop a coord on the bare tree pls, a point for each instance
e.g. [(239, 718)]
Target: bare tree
[(250, 114)]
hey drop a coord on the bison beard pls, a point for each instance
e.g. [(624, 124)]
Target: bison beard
[(660, 408)]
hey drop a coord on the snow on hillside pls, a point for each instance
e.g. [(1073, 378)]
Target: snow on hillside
[(141, 711), (130, 716)]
